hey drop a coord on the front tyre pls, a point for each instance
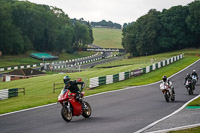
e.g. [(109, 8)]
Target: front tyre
[(87, 111), (66, 114), (166, 94), (190, 90), (173, 97)]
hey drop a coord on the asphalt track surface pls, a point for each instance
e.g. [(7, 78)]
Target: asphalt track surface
[(125, 111)]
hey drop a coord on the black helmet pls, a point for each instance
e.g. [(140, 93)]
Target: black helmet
[(164, 78), (66, 79)]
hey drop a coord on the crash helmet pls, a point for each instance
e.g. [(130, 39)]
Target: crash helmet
[(164, 78), (66, 79), (194, 70)]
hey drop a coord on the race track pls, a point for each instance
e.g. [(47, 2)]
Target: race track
[(124, 111)]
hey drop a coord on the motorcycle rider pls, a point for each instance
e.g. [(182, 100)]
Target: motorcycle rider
[(169, 83), (194, 73), (188, 76), (73, 87)]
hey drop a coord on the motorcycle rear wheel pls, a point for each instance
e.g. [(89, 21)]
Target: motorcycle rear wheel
[(87, 111), (66, 114)]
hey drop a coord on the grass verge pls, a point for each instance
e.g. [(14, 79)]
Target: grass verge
[(191, 130)]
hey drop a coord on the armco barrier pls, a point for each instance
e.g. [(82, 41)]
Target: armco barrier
[(97, 81)]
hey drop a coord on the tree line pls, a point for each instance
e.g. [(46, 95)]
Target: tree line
[(172, 29), (27, 26), (106, 24)]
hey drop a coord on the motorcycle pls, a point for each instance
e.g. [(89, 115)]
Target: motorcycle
[(72, 107), (168, 92), (194, 79), (190, 86)]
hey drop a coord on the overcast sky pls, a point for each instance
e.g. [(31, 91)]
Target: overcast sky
[(118, 11)]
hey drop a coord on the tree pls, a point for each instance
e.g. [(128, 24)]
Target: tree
[(174, 33), (11, 40), (193, 21)]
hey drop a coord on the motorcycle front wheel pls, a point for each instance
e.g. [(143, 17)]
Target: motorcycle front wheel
[(66, 114), (190, 91), (87, 111), (166, 94), (173, 97)]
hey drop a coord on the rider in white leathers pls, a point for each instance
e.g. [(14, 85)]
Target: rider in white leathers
[(168, 83)]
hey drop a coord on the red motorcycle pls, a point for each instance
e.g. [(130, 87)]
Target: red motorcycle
[(72, 107)]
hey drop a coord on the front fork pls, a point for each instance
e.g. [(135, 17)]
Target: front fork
[(67, 106)]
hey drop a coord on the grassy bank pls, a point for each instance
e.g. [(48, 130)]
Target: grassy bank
[(107, 38), (25, 59), (39, 89)]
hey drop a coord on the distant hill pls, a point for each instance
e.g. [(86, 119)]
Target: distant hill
[(107, 37)]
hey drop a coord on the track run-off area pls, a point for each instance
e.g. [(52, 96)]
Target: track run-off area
[(122, 111)]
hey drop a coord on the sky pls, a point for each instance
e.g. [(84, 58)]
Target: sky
[(117, 11)]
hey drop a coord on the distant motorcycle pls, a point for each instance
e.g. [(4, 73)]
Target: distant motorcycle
[(194, 79), (190, 86), (167, 91), (72, 107)]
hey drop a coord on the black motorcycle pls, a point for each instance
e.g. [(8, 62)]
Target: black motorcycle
[(190, 86)]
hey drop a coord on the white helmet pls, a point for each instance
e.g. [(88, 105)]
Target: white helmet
[(194, 70)]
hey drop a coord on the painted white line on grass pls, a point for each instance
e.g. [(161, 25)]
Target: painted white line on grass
[(176, 128), (154, 123), (95, 94)]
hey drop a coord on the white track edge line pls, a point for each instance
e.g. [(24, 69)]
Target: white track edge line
[(154, 123), (94, 94)]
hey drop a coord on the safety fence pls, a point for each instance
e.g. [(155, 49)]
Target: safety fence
[(108, 79), (14, 92), (78, 60), (57, 86)]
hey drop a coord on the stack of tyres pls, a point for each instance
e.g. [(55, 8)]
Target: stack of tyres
[(13, 92)]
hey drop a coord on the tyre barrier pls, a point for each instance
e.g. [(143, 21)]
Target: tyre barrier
[(108, 79), (14, 92)]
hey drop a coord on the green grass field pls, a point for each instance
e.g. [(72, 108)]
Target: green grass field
[(107, 38), (39, 90)]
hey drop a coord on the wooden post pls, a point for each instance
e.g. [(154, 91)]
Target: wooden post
[(53, 87)]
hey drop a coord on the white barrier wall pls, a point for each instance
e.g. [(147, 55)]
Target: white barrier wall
[(109, 79), (121, 76), (94, 82), (154, 67), (4, 94), (147, 69)]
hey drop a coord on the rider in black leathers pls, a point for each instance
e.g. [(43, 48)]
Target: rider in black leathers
[(188, 76), (73, 87)]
